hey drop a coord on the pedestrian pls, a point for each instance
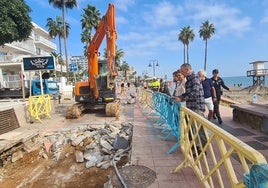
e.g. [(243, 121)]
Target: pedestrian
[(145, 84), (209, 92), (180, 84), (137, 85), (174, 84), (194, 98), (162, 85), (218, 85), (155, 84), (123, 89)]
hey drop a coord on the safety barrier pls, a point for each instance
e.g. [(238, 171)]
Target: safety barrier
[(218, 158), (220, 161), (166, 110), (40, 105)]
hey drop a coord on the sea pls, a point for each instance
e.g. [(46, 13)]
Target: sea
[(243, 81)]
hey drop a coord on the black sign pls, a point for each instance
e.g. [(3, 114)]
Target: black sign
[(39, 63)]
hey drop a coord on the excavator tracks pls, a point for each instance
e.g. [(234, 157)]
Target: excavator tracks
[(74, 111), (112, 109)]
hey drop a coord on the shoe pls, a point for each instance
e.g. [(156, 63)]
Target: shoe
[(214, 117), (220, 122)]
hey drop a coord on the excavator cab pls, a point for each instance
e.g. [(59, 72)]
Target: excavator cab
[(84, 93)]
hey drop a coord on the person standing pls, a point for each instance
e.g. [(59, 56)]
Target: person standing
[(218, 84), (174, 85), (180, 84), (209, 92), (194, 97), (155, 84), (123, 87)]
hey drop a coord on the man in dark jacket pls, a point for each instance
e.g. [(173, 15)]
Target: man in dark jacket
[(218, 83)]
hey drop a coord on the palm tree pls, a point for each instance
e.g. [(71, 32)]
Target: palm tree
[(90, 20), (55, 28), (186, 36), (119, 54), (62, 4), (205, 32)]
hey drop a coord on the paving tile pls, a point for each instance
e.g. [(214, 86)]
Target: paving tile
[(154, 185), (175, 184), (165, 163), (163, 174), (143, 162), (150, 149), (257, 145), (262, 138)]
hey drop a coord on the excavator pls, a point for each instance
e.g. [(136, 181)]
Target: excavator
[(99, 91)]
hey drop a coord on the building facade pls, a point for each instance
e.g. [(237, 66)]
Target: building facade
[(12, 54)]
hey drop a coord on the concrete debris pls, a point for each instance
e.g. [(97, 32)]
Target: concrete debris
[(96, 145), (105, 144), (16, 156), (90, 164), (32, 144), (79, 156), (131, 99), (120, 143)]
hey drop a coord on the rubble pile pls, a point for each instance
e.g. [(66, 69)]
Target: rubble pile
[(95, 144)]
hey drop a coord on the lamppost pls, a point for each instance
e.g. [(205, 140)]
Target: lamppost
[(152, 64)]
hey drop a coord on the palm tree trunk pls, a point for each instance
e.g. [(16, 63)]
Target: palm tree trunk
[(206, 47), (60, 56), (65, 42), (187, 54), (184, 54)]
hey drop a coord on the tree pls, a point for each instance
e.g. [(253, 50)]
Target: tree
[(124, 68), (62, 4), (90, 20), (55, 28), (205, 32), (186, 36), (15, 21), (119, 54)]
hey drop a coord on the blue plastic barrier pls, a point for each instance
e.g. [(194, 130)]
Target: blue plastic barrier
[(169, 112), (258, 176)]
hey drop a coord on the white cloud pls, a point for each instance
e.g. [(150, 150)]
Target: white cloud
[(162, 14), (124, 4), (226, 19), (121, 20)]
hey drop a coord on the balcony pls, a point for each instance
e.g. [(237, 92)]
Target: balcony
[(26, 47), (11, 58), (45, 43)]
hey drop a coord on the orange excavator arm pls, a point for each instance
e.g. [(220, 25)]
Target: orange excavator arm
[(106, 28)]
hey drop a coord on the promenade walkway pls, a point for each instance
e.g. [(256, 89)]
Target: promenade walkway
[(150, 149)]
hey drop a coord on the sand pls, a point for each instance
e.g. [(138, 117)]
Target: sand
[(245, 95)]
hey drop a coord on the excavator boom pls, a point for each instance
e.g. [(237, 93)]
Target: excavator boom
[(99, 91), (106, 28)]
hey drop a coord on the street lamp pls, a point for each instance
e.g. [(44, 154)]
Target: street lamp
[(152, 64)]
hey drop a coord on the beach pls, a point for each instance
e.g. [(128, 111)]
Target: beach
[(256, 94)]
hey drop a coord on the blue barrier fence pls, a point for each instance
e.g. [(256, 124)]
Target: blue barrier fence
[(169, 114)]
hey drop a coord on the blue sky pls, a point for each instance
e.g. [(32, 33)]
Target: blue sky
[(148, 30)]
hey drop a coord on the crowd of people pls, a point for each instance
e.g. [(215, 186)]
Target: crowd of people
[(196, 89)]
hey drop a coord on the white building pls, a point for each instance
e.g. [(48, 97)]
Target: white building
[(80, 62), (12, 54)]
